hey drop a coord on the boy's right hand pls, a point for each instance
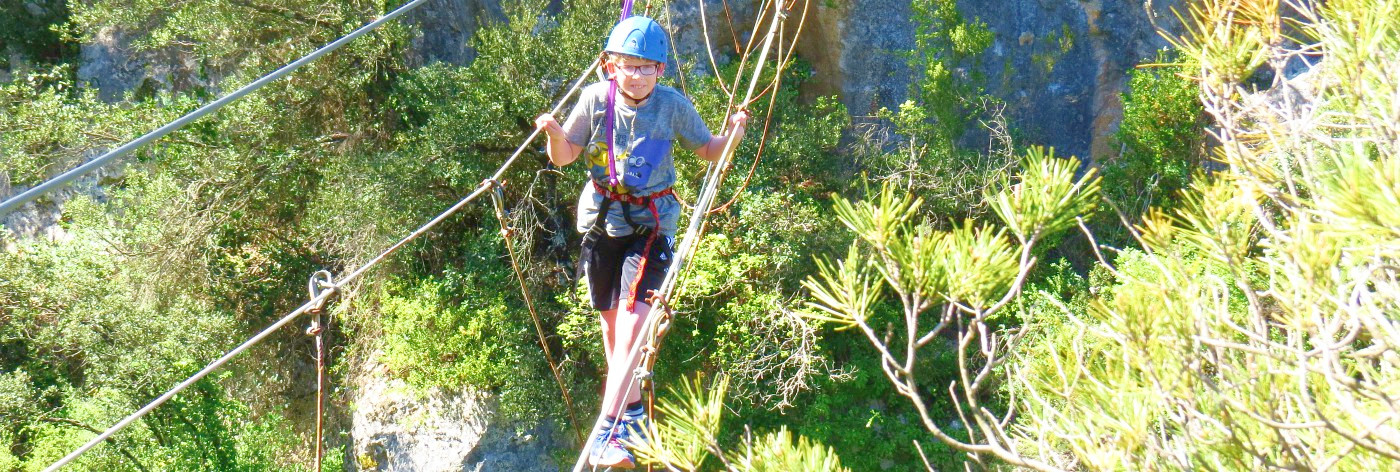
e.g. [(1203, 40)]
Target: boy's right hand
[(548, 124)]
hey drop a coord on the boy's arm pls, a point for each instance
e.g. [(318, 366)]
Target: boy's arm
[(714, 149), (561, 151)]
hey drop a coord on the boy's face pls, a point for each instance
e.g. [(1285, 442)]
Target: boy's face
[(632, 74)]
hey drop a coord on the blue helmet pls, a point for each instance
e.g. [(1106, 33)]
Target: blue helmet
[(639, 36)]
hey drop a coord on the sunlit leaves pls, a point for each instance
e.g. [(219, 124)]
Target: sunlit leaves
[(1216, 218), (1228, 38), (689, 425), (981, 264), (687, 433), (972, 264), (779, 451), (1048, 197), (844, 291), (878, 222)]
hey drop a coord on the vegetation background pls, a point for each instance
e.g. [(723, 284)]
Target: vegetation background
[(1218, 296)]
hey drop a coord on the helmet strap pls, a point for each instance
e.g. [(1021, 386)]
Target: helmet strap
[(636, 101)]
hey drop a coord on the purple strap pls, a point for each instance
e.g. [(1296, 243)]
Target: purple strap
[(612, 102)]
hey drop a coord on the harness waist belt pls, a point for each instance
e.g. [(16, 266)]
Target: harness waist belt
[(632, 199)]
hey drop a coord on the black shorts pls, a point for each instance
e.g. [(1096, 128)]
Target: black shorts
[(610, 265)]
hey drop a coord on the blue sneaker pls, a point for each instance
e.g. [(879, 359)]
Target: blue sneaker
[(635, 427), (607, 450)]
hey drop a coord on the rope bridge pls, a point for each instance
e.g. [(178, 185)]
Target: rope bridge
[(323, 286)]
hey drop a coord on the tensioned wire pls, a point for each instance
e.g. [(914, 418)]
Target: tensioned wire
[(14, 203), (690, 241), (334, 287)]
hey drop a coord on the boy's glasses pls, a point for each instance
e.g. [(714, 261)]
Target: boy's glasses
[(649, 69)]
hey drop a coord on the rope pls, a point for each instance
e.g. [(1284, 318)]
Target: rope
[(53, 184), (319, 281), (710, 50), (331, 289), (497, 200), (768, 119), (688, 244)]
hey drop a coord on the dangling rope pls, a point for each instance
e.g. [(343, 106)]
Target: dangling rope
[(498, 202), (768, 119), (330, 290), (321, 280)]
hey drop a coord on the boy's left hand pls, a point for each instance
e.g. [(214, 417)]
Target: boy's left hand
[(739, 120)]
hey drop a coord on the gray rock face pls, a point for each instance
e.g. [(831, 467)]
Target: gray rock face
[(853, 46), (1060, 65), (446, 28), (40, 218), (396, 430), (110, 65)]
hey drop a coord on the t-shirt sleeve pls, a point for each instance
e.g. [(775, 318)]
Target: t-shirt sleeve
[(690, 128), (579, 126)]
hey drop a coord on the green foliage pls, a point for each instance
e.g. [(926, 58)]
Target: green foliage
[(688, 435), (449, 333), (1048, 198), (941, 110), (1163, 142), (90, 336), (33, 29)]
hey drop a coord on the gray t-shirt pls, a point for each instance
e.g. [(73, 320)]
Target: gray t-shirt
[(643, 158)]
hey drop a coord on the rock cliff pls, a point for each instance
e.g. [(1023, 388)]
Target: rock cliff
[(396, 429)]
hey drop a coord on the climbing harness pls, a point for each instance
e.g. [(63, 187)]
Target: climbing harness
[(649, 232)]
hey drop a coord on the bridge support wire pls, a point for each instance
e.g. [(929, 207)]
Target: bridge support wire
[(332, 289), (691, 240), (14, 203)]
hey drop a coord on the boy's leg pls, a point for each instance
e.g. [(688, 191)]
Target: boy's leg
[(609, 319), (626, 330), (627, 326), (602, 257)]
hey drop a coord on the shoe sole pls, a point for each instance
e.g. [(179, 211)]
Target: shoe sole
[(626, 464)]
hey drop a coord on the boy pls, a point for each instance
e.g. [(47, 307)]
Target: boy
[(627, 212)]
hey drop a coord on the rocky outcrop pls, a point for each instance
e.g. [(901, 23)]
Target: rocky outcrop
[(40, 218), (395, 429), (114, 68), (445, 29), (1059, 65)]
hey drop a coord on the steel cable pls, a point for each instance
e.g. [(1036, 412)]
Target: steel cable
[(331, 289), (14, 203)]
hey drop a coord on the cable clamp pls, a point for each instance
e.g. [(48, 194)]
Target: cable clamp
[(498, 199), (321, 282)]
